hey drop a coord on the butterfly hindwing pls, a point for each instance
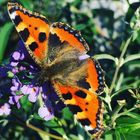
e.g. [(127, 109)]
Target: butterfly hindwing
[(85, 105), (33, 28), (81, 98)]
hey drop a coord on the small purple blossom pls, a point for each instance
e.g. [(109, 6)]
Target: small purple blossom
[(5, 109), (15, 70), (15, 85), (16, 55), (21, 68), (13, 64), (32, 92), (45, 113), (15, 100)]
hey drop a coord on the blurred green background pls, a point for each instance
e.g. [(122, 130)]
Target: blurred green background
[(107, 26)]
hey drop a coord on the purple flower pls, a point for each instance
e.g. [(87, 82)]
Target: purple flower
[(16, 84), (15, 100), (5, 109), (32, 91), (13, 64), (16, 55), (45, 113), (15, 70)]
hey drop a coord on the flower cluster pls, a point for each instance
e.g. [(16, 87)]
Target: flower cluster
[(17, 79)]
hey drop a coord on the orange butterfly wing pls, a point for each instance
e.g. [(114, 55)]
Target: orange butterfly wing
[(85, 105), (95, 76), (33, 28), (82, 100), (69, 35)]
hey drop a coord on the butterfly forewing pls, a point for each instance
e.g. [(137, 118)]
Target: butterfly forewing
[(33, 28), (69, 35), (95, 76)]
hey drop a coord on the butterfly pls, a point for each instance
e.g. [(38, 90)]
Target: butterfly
[(61, 53)]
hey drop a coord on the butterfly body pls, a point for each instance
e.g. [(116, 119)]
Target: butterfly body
[(60, 51)]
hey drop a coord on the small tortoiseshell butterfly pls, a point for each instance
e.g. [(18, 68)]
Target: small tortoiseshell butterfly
[(60, 51)]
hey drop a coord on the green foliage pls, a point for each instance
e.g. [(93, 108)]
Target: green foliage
[(114, 41), (5, 32)]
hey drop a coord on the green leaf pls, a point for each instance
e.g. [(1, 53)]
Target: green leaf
[(37, 117), (131, 57), (124, 120), (80, 26), (108, 137), (25, 103), (53, 124), (67, 114), (117, 134), (2, 1), (134, 115), (5, 31), (73, 137), (134, 64), (126, 128), (135, 35), (121, 90), (132, 136), (127, 124)]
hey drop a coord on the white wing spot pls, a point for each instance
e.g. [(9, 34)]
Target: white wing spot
[(13, 15), (87, 127)]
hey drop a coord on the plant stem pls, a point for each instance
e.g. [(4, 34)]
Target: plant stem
[(128, 2), (115, 113), (43, 132), (120, 90), (119, 64), (125, 113), (38, 130)]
